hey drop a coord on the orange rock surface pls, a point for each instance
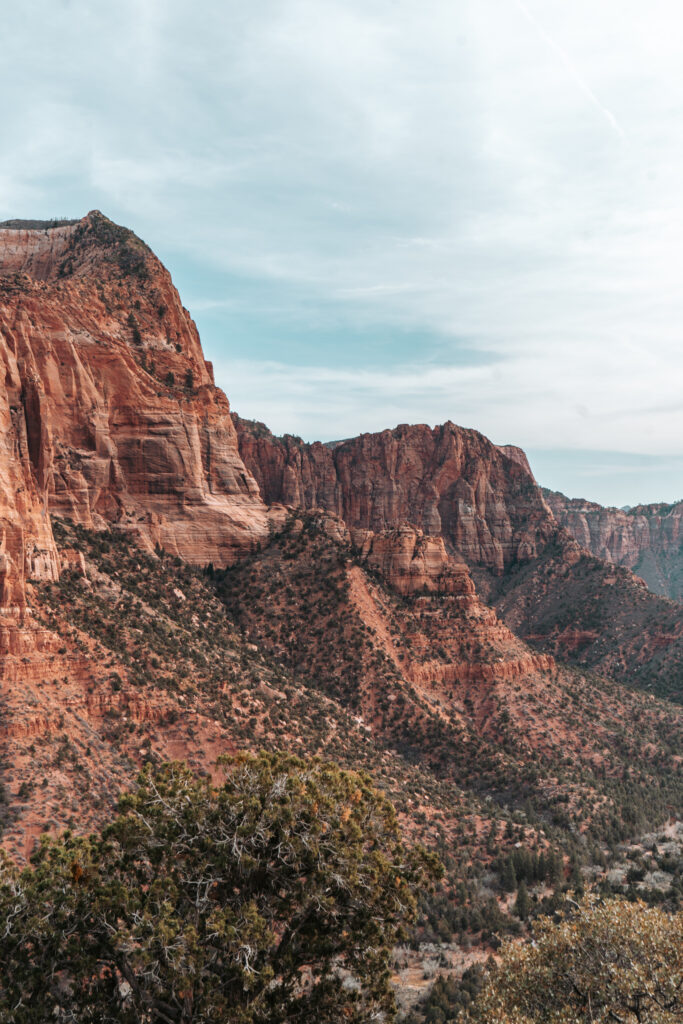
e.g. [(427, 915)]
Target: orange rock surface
[(109, 411), (445, 481), (647, 538), (413, 563)]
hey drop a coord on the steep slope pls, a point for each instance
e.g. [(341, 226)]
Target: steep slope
[(140, 662), (149, 666), (482, 745), (646, 538), (433, 674), (359, 633), (491, 515), (107, 399), (597, 616), (108, 413)]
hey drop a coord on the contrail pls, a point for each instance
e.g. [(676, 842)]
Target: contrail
[(573, 71)]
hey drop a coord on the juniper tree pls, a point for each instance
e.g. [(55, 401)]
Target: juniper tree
[(275, 895)]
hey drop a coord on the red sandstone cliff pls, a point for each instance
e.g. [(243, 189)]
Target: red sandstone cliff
[(413, 563), (483, 504), (108, 411), (448, 482), (647, 538)]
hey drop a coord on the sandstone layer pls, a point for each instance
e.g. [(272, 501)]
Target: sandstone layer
[(448, 482), (110, 656), (479, 506), (647, 538), (413, 563), (109, 413)]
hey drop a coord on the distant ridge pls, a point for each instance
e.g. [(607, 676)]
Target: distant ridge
[(645, 538)]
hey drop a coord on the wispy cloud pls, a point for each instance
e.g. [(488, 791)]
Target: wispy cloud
[(504, 399), (572, 69), (396, 211)]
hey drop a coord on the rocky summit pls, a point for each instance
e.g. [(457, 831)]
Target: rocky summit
[(110, 413)]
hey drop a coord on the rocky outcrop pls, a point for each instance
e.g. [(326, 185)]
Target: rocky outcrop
[(647, 538), (448, 482), (109, 413), (413, 563), (26, 544), (518, 455)]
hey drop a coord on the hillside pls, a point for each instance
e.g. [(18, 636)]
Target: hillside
[(435, 675), (153, 659)]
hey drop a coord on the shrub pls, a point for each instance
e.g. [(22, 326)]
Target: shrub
[(606, 962)]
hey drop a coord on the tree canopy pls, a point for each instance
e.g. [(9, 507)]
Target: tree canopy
[(611, 962), (276, 894)]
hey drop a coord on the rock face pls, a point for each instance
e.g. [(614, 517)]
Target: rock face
[(412, 563), (448, 482), (647, 538), (109, 412), (110, 656), (109, 415)]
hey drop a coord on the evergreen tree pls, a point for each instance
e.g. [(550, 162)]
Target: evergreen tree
[(509, 879), (522, 902), (205, 903)]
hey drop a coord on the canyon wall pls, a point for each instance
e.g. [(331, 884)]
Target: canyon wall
[(109, 413), (447, 481), (647, 538)]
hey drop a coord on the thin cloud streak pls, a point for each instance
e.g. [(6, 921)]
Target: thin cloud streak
[(506, 401), (572, 69)]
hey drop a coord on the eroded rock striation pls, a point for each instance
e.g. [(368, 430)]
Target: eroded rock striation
[(646, 538), (478, 505), (447, 481), (109, 413), (110, 655), (413, 563)]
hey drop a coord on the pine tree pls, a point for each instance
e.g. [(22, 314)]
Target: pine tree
[(208, 903), (522, 903), (509, 879)]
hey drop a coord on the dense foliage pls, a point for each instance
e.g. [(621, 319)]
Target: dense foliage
[(448, 998), (276, 895), (612, 962)]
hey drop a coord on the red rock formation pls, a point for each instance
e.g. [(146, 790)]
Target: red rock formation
[(647, 538), (413, 563), (446, 481), (109, 412), (26, 544), (483, 502)]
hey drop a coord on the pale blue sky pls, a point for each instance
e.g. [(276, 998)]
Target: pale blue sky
[(385, 211)]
